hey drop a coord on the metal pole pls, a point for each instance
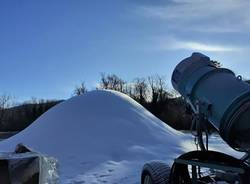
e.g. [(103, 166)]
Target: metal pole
[(194, 175)]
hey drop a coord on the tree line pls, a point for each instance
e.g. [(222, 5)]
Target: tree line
[(151, 92), (18, 117)]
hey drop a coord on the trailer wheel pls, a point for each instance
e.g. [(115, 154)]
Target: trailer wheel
[(155, 172)]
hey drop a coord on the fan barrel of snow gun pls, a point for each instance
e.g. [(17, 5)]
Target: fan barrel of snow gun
[(218, 94)]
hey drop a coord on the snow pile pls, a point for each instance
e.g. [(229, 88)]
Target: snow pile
[(100, 137)]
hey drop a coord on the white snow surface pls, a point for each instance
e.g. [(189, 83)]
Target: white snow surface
[(101, 137)]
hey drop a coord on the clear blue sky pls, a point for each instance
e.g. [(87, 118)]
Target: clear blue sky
[(47, 47)]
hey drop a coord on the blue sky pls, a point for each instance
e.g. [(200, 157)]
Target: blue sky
[(48, 47)]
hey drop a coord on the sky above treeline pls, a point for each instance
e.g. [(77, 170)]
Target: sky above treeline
[(48, 47)]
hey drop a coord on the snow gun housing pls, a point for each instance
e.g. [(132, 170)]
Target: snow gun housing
[(216, 96)]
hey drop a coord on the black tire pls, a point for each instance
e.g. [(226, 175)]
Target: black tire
[(155, 172)]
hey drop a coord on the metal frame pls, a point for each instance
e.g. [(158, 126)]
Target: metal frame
[(205, 158), (218, 161)]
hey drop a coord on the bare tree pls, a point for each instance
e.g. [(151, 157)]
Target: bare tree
[(129, 89), (164, 95), (112, 82), (153, 87), (4, 104), (81, 89), (158, 87), (140, 90)]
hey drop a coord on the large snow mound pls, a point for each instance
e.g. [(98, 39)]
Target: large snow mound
[(101, 136)]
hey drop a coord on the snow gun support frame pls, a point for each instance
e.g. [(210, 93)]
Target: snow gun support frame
[(202, 85), (204, 166)]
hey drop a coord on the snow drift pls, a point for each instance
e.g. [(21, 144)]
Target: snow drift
[(101, 136)]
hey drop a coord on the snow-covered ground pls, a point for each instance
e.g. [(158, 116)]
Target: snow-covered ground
[(103, 137)]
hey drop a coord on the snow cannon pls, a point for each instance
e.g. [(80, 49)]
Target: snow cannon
[(218, 95), (214, 96)]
